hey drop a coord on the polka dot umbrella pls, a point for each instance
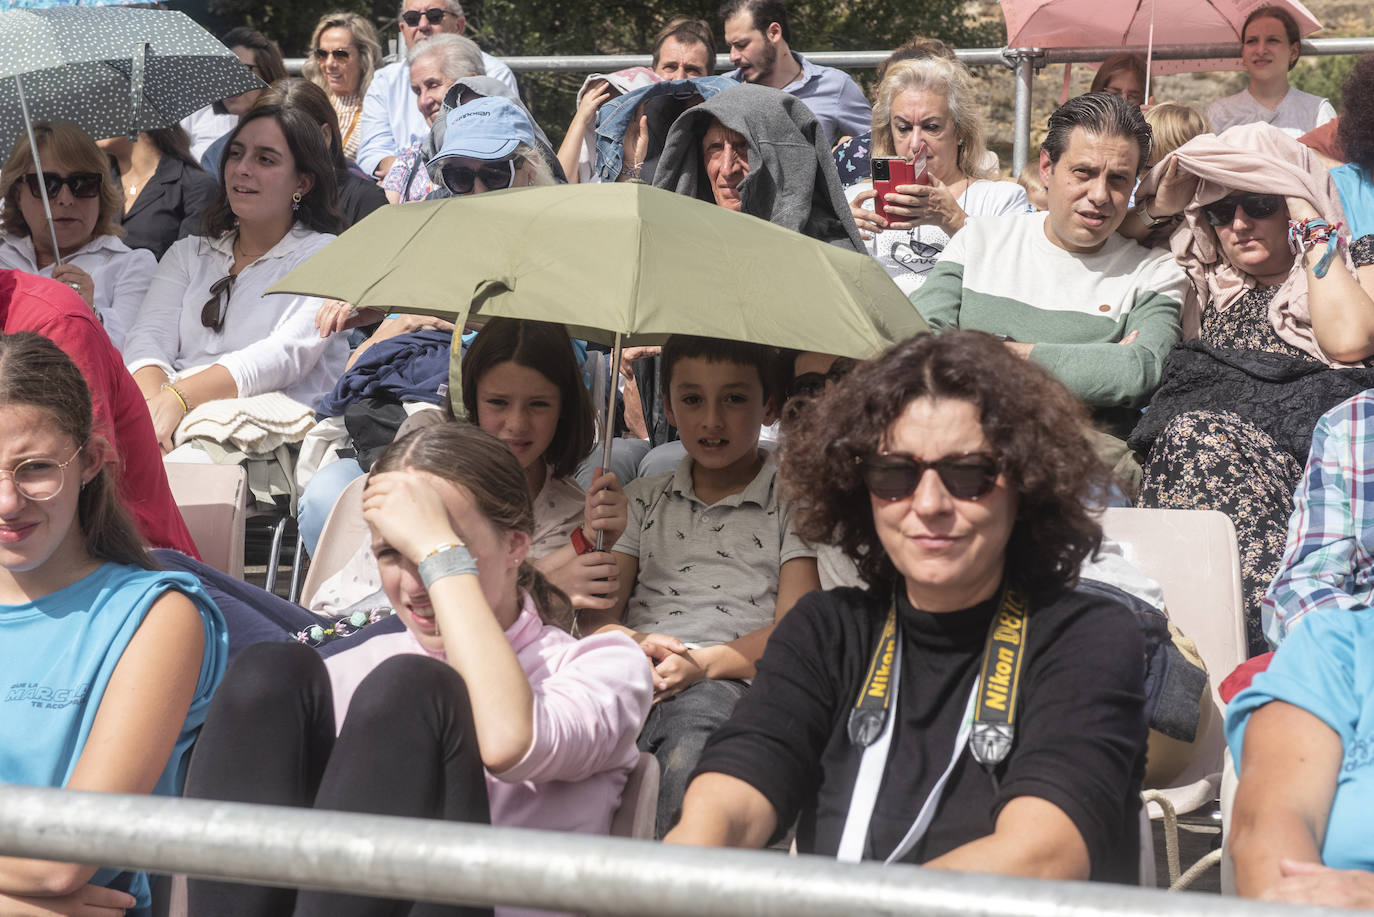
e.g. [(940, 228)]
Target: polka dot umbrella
[(112, 70)]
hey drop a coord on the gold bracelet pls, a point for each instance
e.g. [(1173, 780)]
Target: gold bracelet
[(185, 405)]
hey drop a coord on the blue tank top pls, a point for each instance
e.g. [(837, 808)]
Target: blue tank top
[(56, 658)]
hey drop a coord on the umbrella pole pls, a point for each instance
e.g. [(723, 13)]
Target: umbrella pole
[(38, 167), (608, 419)]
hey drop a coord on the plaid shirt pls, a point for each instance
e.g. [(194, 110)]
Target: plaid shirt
[(1329, 560)]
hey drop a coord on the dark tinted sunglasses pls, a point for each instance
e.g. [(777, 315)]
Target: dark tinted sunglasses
[(494, 175), (83, 184), (895, 476), (339, 54), (434, 14), (810, 385), (1256, 207), (216, 308)]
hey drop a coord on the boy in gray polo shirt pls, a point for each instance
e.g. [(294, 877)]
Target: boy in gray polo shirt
[(709, 561)]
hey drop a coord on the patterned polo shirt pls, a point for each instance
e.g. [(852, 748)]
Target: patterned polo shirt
[(707, 574)]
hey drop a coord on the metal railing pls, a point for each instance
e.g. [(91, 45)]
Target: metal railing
[(467, 864), (1022, 61)]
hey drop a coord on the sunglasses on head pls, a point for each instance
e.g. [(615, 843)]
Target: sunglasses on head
[(895, 476), (1256, 207), (83, 184), (339, 54), (494, 175), (216, 308), (434, 14)]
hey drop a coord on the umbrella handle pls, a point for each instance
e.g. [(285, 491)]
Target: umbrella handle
[(38, 167), (608, 421)]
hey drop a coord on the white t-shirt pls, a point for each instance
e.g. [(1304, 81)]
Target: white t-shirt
[(1298, 113), (908, 254)]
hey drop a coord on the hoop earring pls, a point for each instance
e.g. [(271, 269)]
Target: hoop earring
[(295, 201)]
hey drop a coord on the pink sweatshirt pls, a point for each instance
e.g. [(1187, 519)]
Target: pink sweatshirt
[(591, 697)]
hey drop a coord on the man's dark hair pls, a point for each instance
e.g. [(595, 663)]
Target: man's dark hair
[(1101, 114), (714, 350), (689, 32), (763, 13)]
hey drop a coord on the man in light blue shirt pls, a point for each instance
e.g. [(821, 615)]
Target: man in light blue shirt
[(390, 120), (757, 34)]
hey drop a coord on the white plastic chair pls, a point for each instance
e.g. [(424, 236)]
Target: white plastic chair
[(1193, 556), (213, 501), (339, 539)]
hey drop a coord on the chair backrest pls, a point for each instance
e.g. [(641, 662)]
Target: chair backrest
[(637, 815), (213, 501), (1192, 554), (339, 539)]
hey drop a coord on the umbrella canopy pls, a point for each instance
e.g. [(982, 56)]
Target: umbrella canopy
[(1094, 24), (608, 259), (112, 70)]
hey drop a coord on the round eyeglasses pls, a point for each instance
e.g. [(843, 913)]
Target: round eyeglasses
[(40, 479)]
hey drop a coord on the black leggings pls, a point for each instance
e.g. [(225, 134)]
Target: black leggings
[(407, 747)]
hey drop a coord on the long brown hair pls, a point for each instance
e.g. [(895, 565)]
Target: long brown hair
[(34, 372), (482, 465)]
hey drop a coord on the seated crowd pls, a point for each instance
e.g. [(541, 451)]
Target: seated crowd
[(1167, 310)]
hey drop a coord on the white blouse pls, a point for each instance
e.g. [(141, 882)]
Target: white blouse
[(119, 273), (269, 342)]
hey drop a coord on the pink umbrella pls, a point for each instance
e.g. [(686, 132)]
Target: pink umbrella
[(1138, 24)]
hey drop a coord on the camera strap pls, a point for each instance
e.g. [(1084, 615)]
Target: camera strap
[(987, 724)]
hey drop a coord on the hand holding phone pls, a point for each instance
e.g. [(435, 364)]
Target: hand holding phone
[(889, 173)]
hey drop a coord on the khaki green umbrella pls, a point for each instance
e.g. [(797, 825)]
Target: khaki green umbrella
[(624, 264), (608, 259)]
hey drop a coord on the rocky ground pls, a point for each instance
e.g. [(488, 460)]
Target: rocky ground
[(1339, 18)]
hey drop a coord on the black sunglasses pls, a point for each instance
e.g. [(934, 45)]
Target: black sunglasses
[(810, 385), (216, 308), (494, 175), (1256, 207), (895, 476), (83, 184), (434, 14), (339, 54)]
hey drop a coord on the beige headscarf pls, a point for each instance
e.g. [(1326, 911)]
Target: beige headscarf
[(1248, 157)]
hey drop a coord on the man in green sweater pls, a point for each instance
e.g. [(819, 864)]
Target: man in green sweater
[(1095, 308)]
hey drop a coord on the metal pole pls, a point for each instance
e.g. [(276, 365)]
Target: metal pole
[(441, 861), (608, 422), (1025, 73), (38, 170)]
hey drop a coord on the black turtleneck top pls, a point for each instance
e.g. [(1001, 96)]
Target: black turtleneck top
[(1080, 726)]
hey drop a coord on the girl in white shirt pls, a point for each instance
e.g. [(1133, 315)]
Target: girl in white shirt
[(85, 204), (208, 329)]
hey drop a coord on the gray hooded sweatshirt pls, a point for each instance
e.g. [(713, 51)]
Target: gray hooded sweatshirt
[(792, 179)]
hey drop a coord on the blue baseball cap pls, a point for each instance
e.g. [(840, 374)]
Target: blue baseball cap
[(489, 128)]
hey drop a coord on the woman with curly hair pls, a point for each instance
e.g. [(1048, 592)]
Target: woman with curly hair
[(344, 53), (969, 614), (1355, 179)]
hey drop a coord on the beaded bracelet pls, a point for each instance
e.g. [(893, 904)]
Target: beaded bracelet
[(319, 634)]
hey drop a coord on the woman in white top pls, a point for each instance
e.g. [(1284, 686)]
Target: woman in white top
[(928, 106), (86, 205), (208, 329), (1269, 48)]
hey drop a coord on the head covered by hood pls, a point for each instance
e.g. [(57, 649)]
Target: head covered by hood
[(1248, 157), (792, 179)]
